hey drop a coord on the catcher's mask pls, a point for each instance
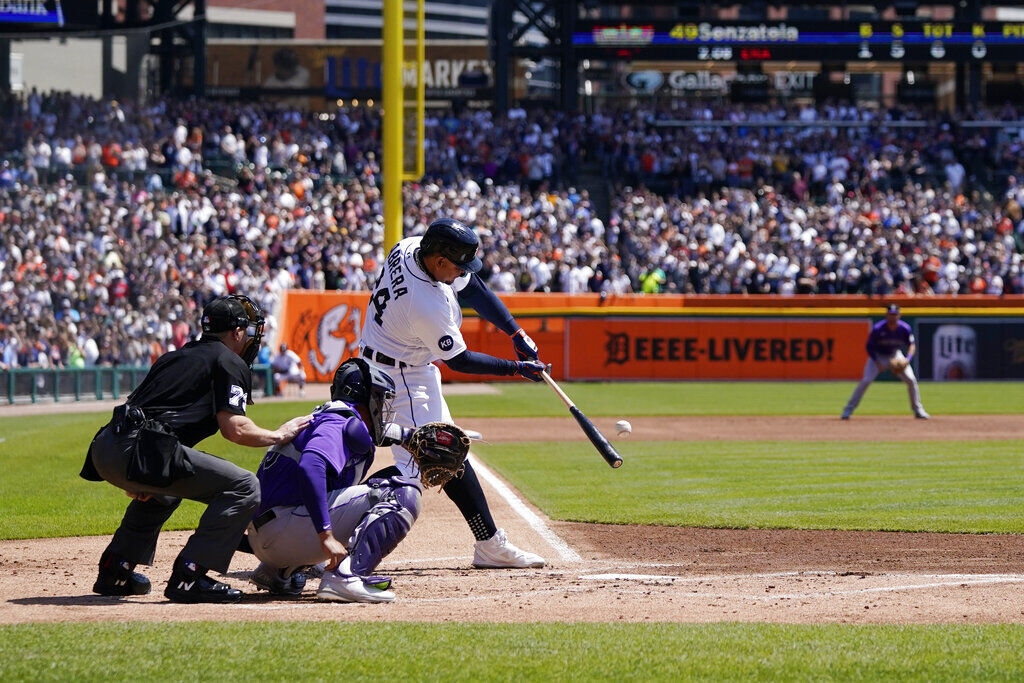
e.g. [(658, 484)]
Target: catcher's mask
[(357, 383), (228, 313)]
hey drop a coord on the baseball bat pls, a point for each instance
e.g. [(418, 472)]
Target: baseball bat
[(607, 451)]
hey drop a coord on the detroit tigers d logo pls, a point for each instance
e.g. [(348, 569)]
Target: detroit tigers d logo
[(617, 347)]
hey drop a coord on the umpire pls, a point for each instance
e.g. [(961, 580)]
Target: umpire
[(147, 450)]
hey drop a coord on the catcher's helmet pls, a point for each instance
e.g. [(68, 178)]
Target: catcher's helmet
[(356, 382), (228, 313), (455, 241)]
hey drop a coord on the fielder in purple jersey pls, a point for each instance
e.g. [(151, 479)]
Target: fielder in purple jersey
[(314, 506), (890, 343)]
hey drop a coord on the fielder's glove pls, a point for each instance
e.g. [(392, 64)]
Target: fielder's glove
[(898, 363), (440, 450), (531, 369), (524, 346)]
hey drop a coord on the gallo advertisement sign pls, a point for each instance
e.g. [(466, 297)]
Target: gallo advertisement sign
[(711, 82), (716, 349)]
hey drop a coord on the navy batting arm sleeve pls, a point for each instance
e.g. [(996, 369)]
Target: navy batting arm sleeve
[(474, 363), (479, 297)]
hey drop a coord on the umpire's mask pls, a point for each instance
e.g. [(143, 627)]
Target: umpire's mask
[(357, 382), (229, 313)]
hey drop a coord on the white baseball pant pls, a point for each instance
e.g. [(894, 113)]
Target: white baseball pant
[(418, 400)]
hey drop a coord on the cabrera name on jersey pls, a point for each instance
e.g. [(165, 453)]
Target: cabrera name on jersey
[(412, 317)]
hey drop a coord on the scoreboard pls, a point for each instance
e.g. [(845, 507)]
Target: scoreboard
[(31, 12), (815, 41), (39, 18)]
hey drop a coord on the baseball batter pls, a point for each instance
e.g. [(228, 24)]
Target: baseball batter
[(891, 346), (413, 319)]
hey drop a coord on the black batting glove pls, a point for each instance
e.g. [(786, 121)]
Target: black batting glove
[(524, 346), (532, 369)]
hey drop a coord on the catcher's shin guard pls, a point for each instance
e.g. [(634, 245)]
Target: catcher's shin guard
[(384, 526)]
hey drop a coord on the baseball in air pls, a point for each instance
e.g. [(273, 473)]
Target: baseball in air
[(623, 428)]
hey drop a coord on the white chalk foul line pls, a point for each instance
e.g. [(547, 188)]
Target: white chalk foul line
[(538, 525), (917, 586), (944, 581)]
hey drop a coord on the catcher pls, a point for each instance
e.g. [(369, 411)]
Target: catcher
[(317, 506)]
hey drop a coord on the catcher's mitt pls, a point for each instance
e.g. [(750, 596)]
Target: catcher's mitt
[(440, 450), (898, 362)]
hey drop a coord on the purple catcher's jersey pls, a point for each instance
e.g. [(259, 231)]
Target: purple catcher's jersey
[(338, 436), (885, 342)]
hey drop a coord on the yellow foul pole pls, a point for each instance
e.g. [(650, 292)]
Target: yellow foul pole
[(391, 65)]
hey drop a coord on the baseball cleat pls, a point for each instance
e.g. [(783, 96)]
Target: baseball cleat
[(277, 582), (117, 578), (337, 587), (922, 415), (498, 553), (844, 416), (314, 571), (195, 588)]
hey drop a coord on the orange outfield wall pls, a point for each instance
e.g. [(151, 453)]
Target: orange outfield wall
[(646, 337), (610, 348)]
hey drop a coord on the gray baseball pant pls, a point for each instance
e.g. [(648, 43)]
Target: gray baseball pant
[(871, 371), (231, 495)]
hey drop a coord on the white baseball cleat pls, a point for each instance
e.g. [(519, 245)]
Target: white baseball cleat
[(922, 415), (347, 588), (498, 553)]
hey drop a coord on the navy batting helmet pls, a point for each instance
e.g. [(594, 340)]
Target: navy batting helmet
[(455, 241), (356, 382)]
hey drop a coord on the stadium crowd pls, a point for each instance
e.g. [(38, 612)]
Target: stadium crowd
[(115, 230)]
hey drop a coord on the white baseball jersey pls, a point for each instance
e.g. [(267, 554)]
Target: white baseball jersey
[(412, 317)]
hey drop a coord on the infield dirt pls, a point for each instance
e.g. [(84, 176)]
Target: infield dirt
[(624, 573)]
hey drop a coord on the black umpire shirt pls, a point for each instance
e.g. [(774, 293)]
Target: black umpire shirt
[(185, 389)]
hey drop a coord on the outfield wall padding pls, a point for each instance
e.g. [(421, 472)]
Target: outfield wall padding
[(638, 337)]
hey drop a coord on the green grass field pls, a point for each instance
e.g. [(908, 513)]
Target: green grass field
[(470, 652), (739, 398), (970, 486), (930, 486)]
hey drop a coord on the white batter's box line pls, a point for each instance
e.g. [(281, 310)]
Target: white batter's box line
[(538, 525), (696, 578), (407, 601), (424, 560)]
